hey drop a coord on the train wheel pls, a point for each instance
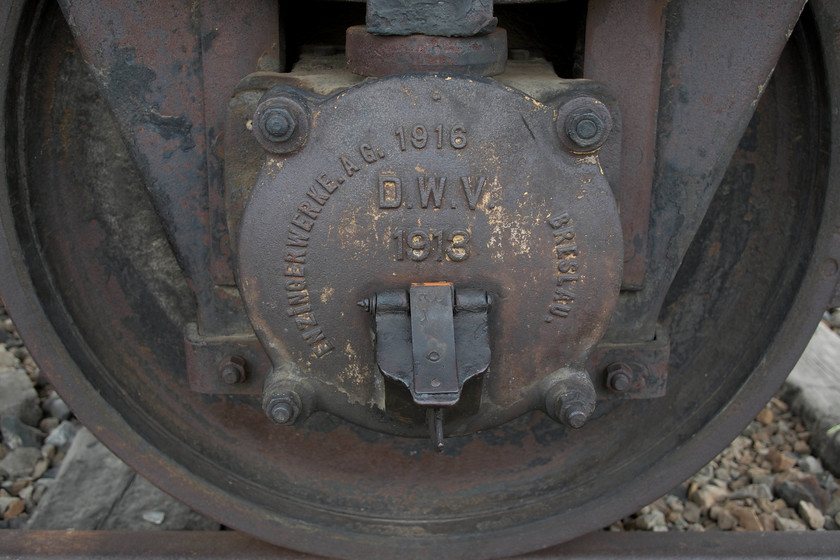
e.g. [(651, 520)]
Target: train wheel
[(99, 296)]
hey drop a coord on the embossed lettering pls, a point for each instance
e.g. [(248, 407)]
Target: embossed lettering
[(309, 211), (294, 270), (458, 137), (472, 192), (349, 167), (367, 153), (559, 310), (390, 191), (317, 195), (419, 137), (300, 309), (328, 184), (459, 245), (297, 238), (322, 347), (303, 222), (419, 244), (313, 335), (559, 221), (295, 255), (298, 298), (431, 186), (567, 265), (563, 234), (305, 320), (566, 250)]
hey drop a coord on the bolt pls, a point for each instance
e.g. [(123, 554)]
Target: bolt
[(277, 124), (571, 398), (232, 370), (571, 411), (575, 416), (619, 377), (283, 408), (585, 128)]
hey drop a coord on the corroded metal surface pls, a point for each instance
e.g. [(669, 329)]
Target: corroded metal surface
[(95, 290), (402, 182), (455, 18), (230, 545), (376, 55), (637, 29), (705, 107)]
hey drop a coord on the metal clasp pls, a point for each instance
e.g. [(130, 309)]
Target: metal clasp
[(432, 338)]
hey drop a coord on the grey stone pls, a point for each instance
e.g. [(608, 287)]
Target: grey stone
[(20, 462), (144, 507), (691, 513), (6, 502), (726, 521), (754, 491), (828, 482), (55, 407), (18, 397), (8, 359), (783, 524), (833, 506), (811, 515), (91, 479), (833, 317), (708, 496), (652, 521), (810, 464), (767, 480), (813, 390), (805, 489), (62, 435), (156, 517), (95, 490), (17, 434)]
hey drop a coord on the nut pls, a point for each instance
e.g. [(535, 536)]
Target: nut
[(584, 123), (232, 370), (277, 124), (620, 377), (571, 399), (585, 128), (283, 408), (281, 122)]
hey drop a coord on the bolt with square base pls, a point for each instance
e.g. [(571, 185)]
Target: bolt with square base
[(570, 399)]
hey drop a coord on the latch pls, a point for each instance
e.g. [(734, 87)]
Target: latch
[(432, 339)]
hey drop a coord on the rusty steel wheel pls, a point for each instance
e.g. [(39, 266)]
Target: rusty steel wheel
[(103, 301)]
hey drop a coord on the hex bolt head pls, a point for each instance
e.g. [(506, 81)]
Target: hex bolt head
[(585, 128), (283, 408), (281, 122), (583, 124), (277, 124), (571, 399), (232, 370), (620, 377)]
